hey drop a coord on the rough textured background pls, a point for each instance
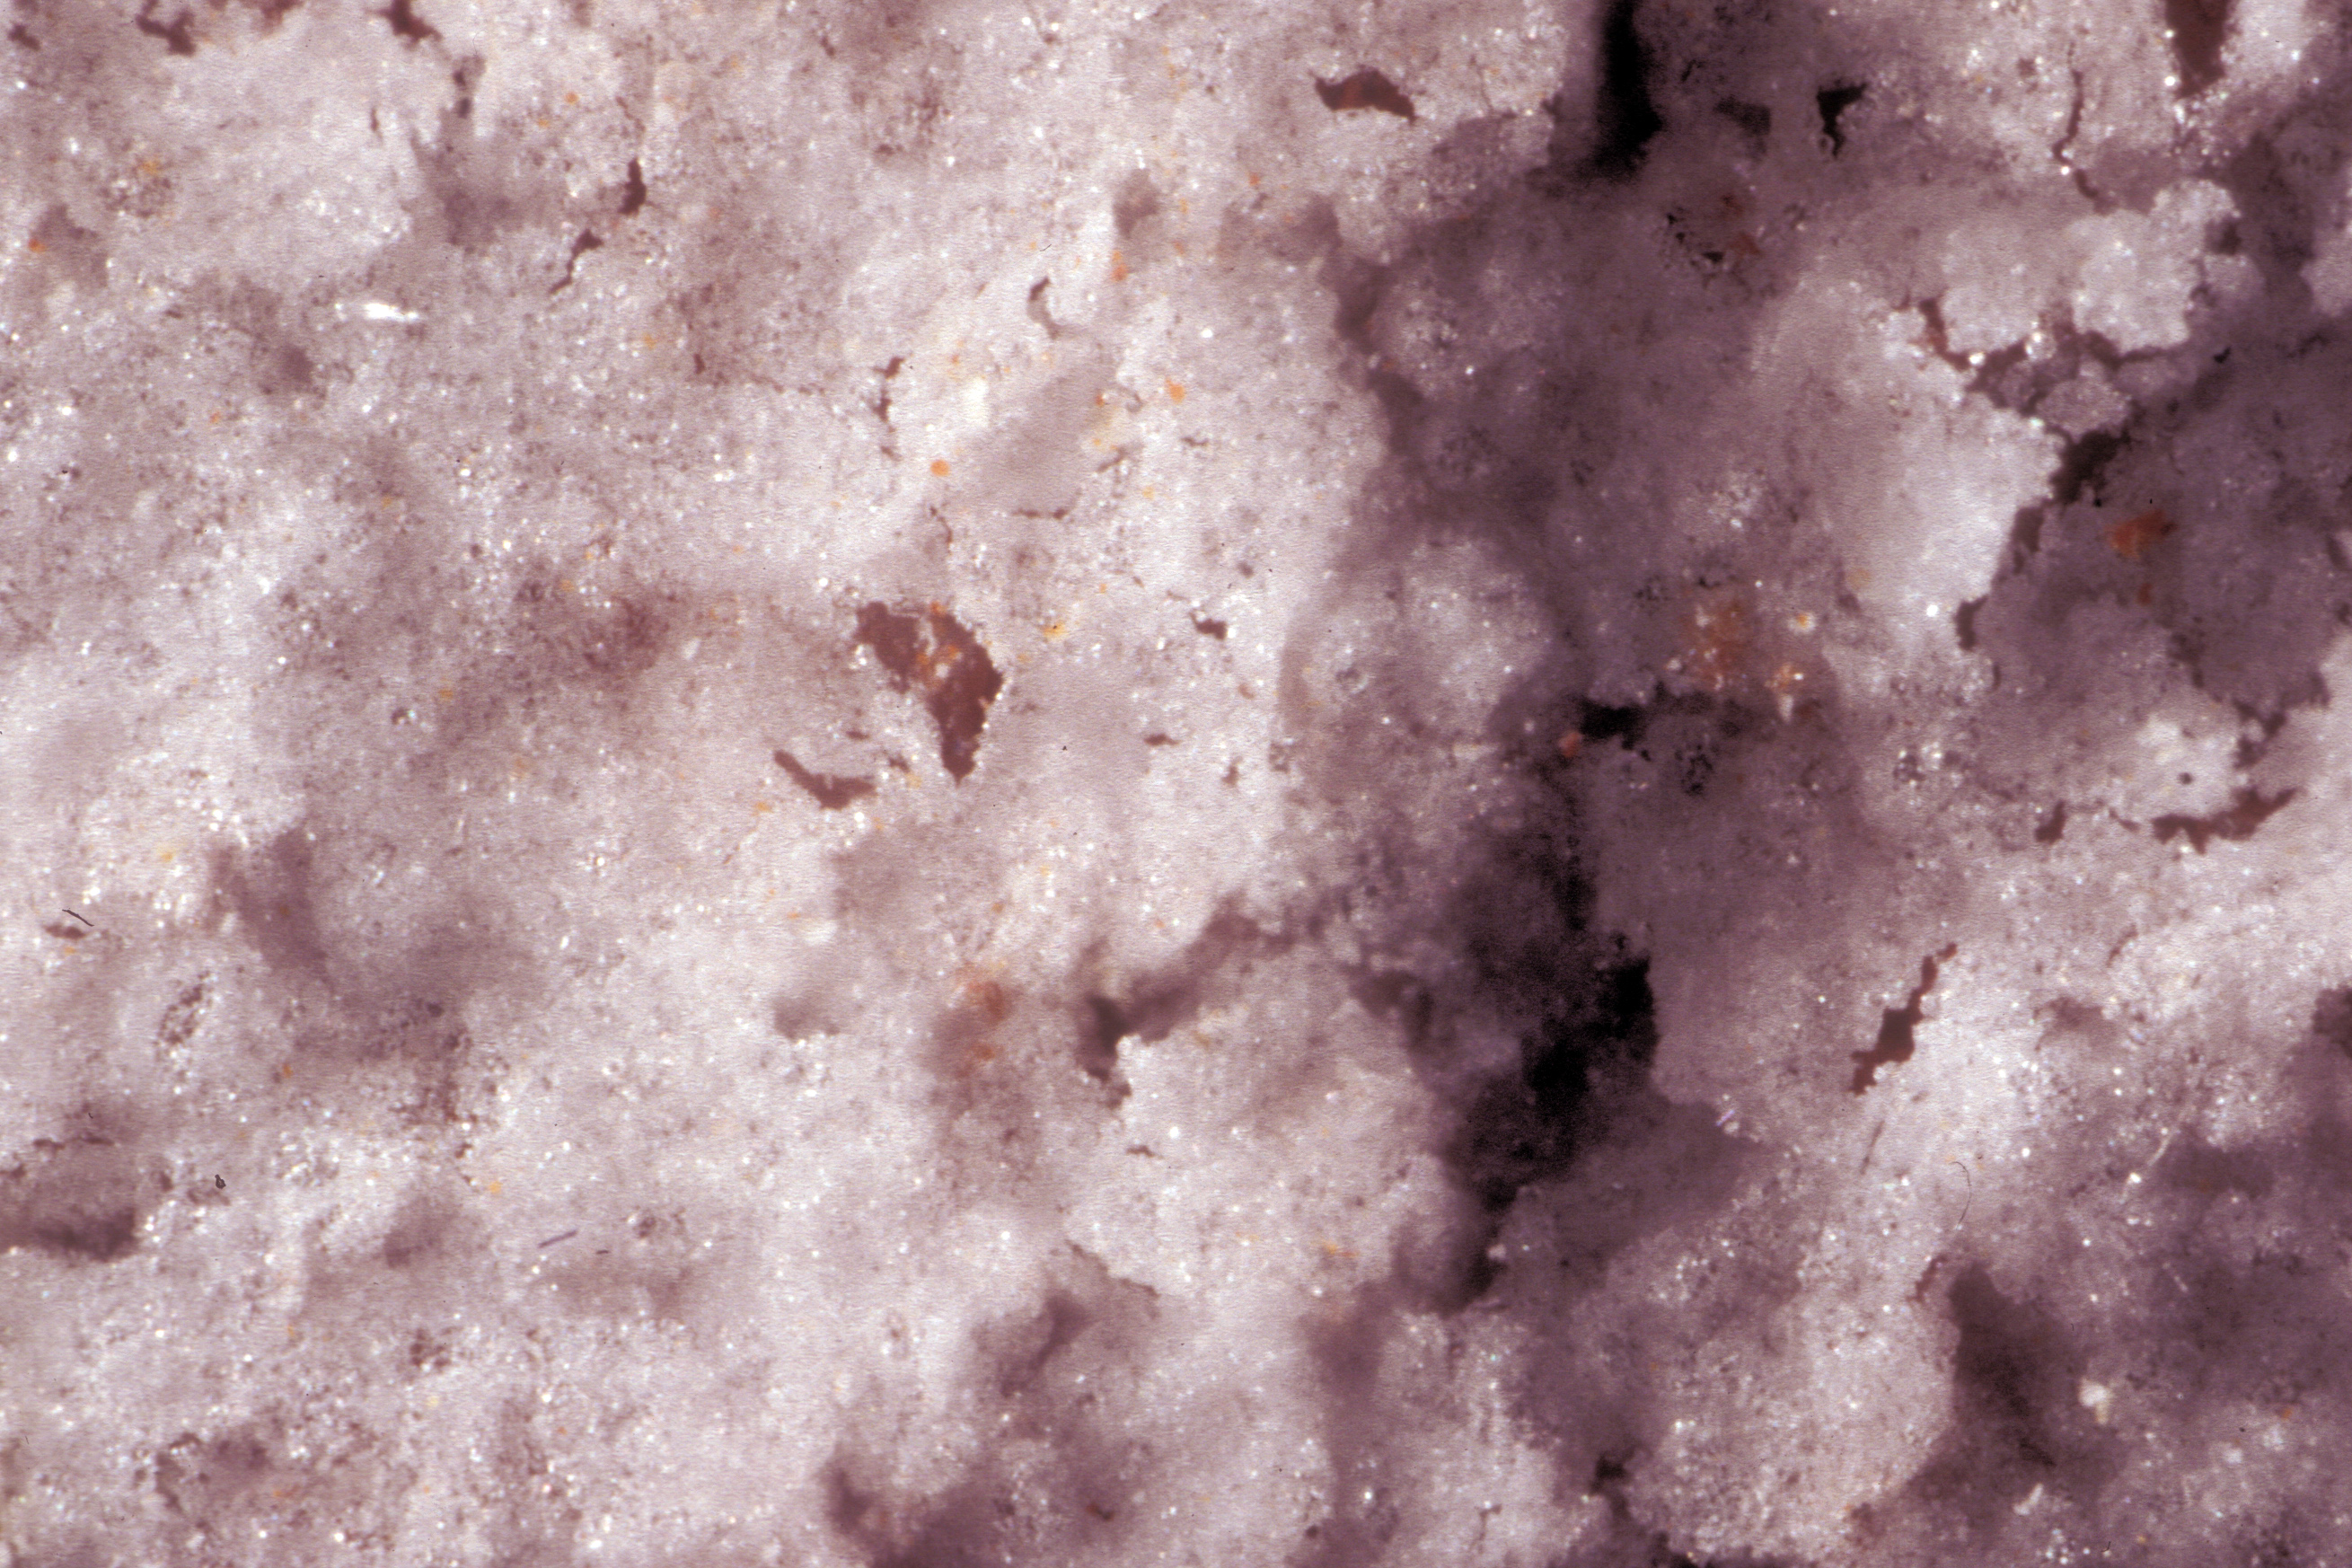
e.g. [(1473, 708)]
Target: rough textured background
[(924, 782)]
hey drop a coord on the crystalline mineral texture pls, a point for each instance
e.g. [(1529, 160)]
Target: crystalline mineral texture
[(926, 781)]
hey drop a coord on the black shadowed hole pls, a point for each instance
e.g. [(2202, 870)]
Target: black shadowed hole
[(406, 25), (881, 404), (624, 642), (2331, 1018), (1625, 116), (897, 640), (1832, 102), (1695, 768), (1209, 626), (1138, 199), (1598, 722), (1038, 310), (1964, 621), (415, 1235), (78, 1198), (1365, 88), (2199, 29), (1155, 1005), (1575, 1069), (1394, 994), (2248, 809), (428, 1353), (583, 242), (1896, 1025), (1100, 1033), (178, 1025), (2082, 463), (830, 791), (2015, 1381), (2053, 828), (100, 1235), (1753, 118), (287, 369), (632, 195), (179, 34)]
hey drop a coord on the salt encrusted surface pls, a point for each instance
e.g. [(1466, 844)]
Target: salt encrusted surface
[(932, 783)]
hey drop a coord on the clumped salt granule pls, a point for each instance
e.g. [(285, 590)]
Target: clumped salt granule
[(1524, 784)]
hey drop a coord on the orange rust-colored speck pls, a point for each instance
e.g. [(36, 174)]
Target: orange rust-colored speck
[(1117, 267), (2131, 536), (1570, 744), (1175, 391), (939, 466)]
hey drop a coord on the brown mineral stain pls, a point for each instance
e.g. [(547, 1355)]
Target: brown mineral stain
[(1716, 640), (939, 656), (2131, 536), (979, 991)]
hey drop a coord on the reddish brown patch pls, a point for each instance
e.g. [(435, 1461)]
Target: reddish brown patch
[(939, 656), (977, 992), (1572, 743), (2131, 536), (1717, 640)]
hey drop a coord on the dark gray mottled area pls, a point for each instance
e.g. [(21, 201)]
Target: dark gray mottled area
[(926, 782)]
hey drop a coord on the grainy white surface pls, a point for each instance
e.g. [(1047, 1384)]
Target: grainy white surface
[(927, 783)]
